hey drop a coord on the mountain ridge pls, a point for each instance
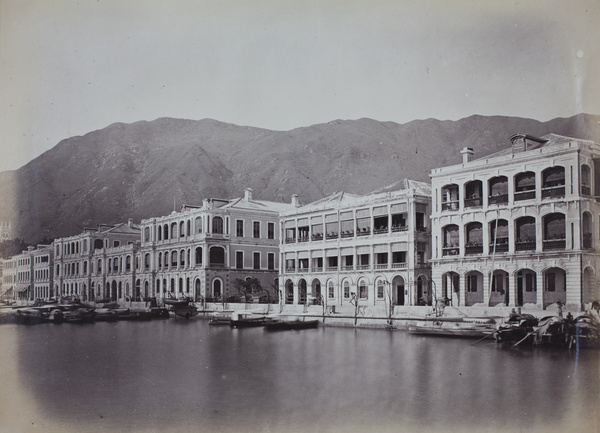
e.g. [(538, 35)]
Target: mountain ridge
[(138, 170)]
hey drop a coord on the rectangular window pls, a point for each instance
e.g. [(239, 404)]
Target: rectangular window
[(116, 244), (331, 292), (362, 291), (256, 260), (271, 261), (529, 283), (550, 282), (271, 230), (472, 283), (380, 291), (239, 259), (256, 229), (239, 228)]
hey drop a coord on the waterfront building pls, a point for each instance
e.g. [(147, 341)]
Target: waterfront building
[(367, 249), (200, 251), (9, 278), (519, 227), (42, 259), (97, 263)]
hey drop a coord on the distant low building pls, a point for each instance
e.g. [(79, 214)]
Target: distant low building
[(519, 227), (372, 249)]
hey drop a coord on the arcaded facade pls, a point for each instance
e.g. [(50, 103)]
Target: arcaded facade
[(520, 227)]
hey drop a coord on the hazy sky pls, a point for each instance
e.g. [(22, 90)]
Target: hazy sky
[(71, 67)]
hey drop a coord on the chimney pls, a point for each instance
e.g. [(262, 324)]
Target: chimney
[(130, 222), (248, 194), (467, 154), (295, 200)]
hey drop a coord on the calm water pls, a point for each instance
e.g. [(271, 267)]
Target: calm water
[(178, 375)]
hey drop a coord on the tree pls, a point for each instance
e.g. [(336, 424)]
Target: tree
[(12, 247), (248, 287)]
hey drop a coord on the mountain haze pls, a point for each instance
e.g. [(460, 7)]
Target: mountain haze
[(145, 168)]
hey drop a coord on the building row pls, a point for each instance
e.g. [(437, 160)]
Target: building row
[(516, 228)]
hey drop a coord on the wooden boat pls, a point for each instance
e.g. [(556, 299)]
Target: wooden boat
[(453, 328), (248, 320), (585, 333), (291, 323), (552, 331), (220, 319), (517, 328)]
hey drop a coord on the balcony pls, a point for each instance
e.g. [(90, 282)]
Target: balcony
[(290, 270), (290, 240), (332, 235), (347, 268), (525, 245), (381, 230), (450, 205), (399, 265), (474, 202), (303, 239), (363, 267), (317, 269), (498, 199), (450, 251), (317, 237), (554, 244), (473, 248), (347, 234), (381, 266), (501, 246), (363, 232), (525, 195), (331, 268), (399, 228), (553, 192)]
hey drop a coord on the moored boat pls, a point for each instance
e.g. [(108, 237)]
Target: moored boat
[(245, 319), (517, 328), (286, 323), (444, 328), (220, 319)]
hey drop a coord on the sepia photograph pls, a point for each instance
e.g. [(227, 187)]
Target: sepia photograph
[(284, 216)]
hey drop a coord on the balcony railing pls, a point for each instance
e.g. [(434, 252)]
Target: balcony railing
[(474, 202), (399, 265), (317, 237), (332, 235), (450, 251), (347, 268), (524, 245), (347, 234), (553, 192), (474, 249), (399, 228), (554, 244), (290, 240), (450, 205), (363, 232), (586, 190), (362, 267), (501, 247), (317, 269), (380, 230), (331, 268), (498, 199), (290, 270), (524, 195)]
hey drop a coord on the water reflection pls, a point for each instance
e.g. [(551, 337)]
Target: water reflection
[(188, 376)]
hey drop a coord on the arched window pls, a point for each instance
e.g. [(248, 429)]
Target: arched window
[(98, 244), (498, 190), (525, 234), (217, 256), (525, 186), (553, 182), (217, 290), (474, 238), (182, 258), (330, 290), (450, 197), (189, 228), (586, 180), (198, 224), (146, 234), (451, 240), (198, 255), (159, 260), (159, 233), (363, 292), (181, 229), (554, 232), (166, 231), (217, 225), (473, 194), (173, 230), (587, 230), (499, 236), (346, 290)]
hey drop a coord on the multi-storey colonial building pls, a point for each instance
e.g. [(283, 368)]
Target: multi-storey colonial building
[(519, 227), (200, 251), (42, 258), (97, 263), (347, 248)]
